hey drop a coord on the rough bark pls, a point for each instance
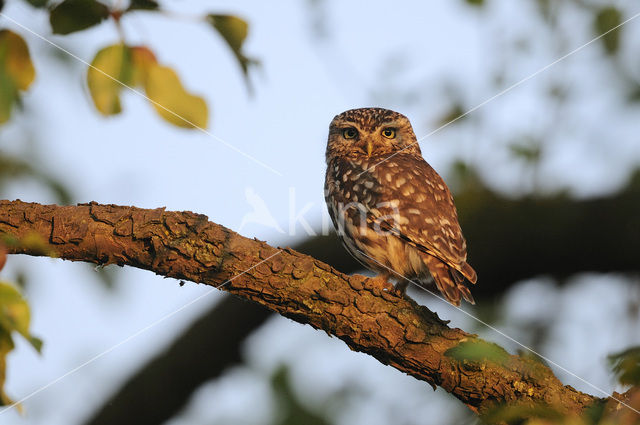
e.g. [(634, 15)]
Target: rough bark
[(506, 261), (184, 245)]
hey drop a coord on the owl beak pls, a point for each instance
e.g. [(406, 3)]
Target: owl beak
[(369, 148)]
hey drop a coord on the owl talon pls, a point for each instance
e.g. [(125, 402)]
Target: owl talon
[(382, 283)]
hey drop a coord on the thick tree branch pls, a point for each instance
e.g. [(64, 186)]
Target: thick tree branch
[(184, 245), (573, 250)]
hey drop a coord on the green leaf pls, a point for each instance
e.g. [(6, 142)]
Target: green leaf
[(15, 59), (626, 366), (14, 311), (171, 100), (9, 96), (234, 30), (16, 71), (15, 314), (454, 115), (143, 5), (475, 2), (529, 151), (76, 15), (607, 18), (523, 413), (37, 3), (478, 351), (109, 70), (6, 345)]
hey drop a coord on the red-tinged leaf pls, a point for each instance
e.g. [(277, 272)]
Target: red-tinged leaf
[(3, 256), (142, 59)]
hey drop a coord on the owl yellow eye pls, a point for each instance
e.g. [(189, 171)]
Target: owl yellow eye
[(349, 133), (389, 133)]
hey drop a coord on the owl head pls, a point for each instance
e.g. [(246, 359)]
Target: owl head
[(370, 133)]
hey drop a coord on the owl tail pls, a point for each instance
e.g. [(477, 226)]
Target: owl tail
[(450, 282)]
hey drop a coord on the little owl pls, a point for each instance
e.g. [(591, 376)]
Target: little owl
[(392, 211)]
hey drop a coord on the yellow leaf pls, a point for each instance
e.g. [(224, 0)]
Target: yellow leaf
[(109, 70), (234, 30), (15, 58), (14, 310), (172, 101)]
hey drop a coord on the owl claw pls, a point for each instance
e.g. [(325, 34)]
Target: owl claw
[(382, 283)]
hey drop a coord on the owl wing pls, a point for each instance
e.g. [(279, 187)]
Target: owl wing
[(420, 210)]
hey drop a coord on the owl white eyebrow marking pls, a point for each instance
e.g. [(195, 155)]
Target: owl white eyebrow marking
[(511, 87)]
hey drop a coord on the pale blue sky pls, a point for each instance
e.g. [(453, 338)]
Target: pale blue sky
[(373, 54)]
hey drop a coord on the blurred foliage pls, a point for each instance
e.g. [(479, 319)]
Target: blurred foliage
[(234, 31), (529, 150), (606, 19), (77, 15), (618, 410), (290, 410), (32, 242), (626, 366), (37, 3), (14, 316), (143, 5), (12, 169), (525, 414), (110, 71), (171, 100), (478, 351), (119, 66), (455, 113), (16, 71)]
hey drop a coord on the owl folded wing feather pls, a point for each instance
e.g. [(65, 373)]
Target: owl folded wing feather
[(427, 219)]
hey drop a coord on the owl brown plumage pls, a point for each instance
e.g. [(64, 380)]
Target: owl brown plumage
[(392, 211)]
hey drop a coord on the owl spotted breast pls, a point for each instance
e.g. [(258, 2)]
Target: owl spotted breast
[(392, 211)]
